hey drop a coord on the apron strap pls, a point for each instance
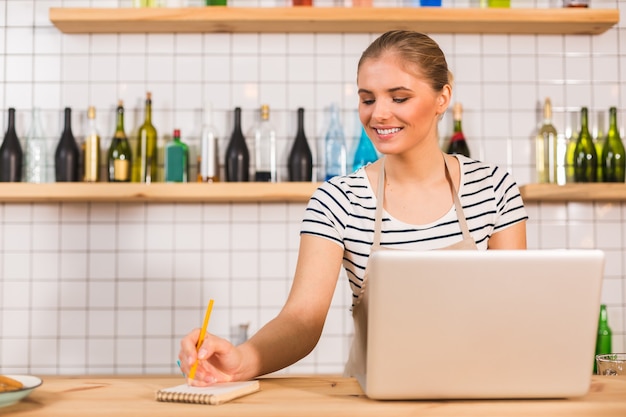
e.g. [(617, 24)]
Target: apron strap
[(380, 195)]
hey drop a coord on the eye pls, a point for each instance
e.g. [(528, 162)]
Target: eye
[(400, 99), (367, 101)]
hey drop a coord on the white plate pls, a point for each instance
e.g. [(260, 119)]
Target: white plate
[(11, 397)]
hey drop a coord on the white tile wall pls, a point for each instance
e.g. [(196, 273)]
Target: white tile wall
[(111, 288)]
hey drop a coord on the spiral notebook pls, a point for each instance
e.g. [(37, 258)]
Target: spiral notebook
[(212, 395)]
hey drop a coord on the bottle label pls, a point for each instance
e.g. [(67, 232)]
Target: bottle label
[(121, 171), (457, 136)]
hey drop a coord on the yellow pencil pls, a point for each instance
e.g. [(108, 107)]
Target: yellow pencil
[(205, 324)]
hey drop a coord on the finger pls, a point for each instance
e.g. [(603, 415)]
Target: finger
[(188, 354)]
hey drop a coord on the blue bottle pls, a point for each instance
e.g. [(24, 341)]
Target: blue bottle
[(365, 151), (335, 154)]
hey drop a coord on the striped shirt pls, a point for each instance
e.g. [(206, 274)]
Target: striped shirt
[(343, 210)]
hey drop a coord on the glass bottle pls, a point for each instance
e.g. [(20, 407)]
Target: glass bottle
[(365, 151), (11, 153), (300, 160), (67, 154), (598, 133), (145, 164), (36, 152), (176, 160), (237, 161), (576, 3), (546, 147), (458, 144), (585, 157), (604, 337), (613, 157), (265, 148), (572, 138), (92, 148), (120, 156), (209, 152), (335, 153)]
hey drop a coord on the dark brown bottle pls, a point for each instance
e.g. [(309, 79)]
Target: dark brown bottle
[(300, 161), (67, 154), (458, 144), (11, 153), (237, 162)]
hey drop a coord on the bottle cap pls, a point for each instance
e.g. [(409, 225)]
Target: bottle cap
[(176, 133)]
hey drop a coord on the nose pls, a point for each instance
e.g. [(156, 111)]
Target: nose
[(380, 111)]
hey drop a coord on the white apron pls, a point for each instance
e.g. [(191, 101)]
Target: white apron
[(356, 365)]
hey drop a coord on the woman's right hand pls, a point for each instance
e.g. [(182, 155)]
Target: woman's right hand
[(218, 359)]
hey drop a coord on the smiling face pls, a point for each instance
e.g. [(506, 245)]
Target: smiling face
[(397, 106)]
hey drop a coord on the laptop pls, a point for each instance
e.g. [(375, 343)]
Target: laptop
[(482, 324)]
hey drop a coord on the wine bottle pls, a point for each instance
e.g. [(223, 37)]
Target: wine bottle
[(585, 157), (176, 160), (265, 148), (237, 156), (458, 144), (145, 164), (335, 153), (613, 158), (209, 167), (92, 148), (11, 153), (604, 342), (598, 134), (546, 147), (300, 160), (67, 155), (365, 151), (571, 134), (120, 156), (36, 152)]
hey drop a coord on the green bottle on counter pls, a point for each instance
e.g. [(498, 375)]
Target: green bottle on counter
[(585, 156), (145, 162), (613, 158), (604, 338)]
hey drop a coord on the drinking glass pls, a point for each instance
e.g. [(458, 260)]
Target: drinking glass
[(611, 364)]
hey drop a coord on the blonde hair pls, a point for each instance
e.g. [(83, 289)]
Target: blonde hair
[(418, 51)]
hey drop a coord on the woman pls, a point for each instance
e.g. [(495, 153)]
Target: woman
[(404, 88)]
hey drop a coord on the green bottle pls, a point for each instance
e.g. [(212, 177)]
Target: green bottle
[(603, 340), (613, 159), (145, 165), (598, 142), (585, 157), (120, 155), (176, 160)]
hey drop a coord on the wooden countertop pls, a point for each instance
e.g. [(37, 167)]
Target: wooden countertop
[(292, 396)]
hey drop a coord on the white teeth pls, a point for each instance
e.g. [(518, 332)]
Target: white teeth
[(387, 131)]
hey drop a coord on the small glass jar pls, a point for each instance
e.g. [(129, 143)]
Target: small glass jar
[(575, 3)]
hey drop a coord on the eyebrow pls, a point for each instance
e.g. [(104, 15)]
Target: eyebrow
[(391, 90)]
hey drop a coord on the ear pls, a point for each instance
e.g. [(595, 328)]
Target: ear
[(443, 101)]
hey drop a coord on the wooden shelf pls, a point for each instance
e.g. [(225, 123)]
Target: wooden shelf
[(250, 192), (157, 193), (573, 192), (333, 20)]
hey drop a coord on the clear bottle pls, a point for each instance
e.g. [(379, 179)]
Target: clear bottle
[(365, 151), (335, 153), (120, 155), (67, 154), (546, 147), (209, 169), (265, 148), (585, 157), (145, 165), (36, 151), (613, 160), (300, 160), (11, 153), (92, 148), (604, 342), (237, 161), (176, 160), (458, 144)]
